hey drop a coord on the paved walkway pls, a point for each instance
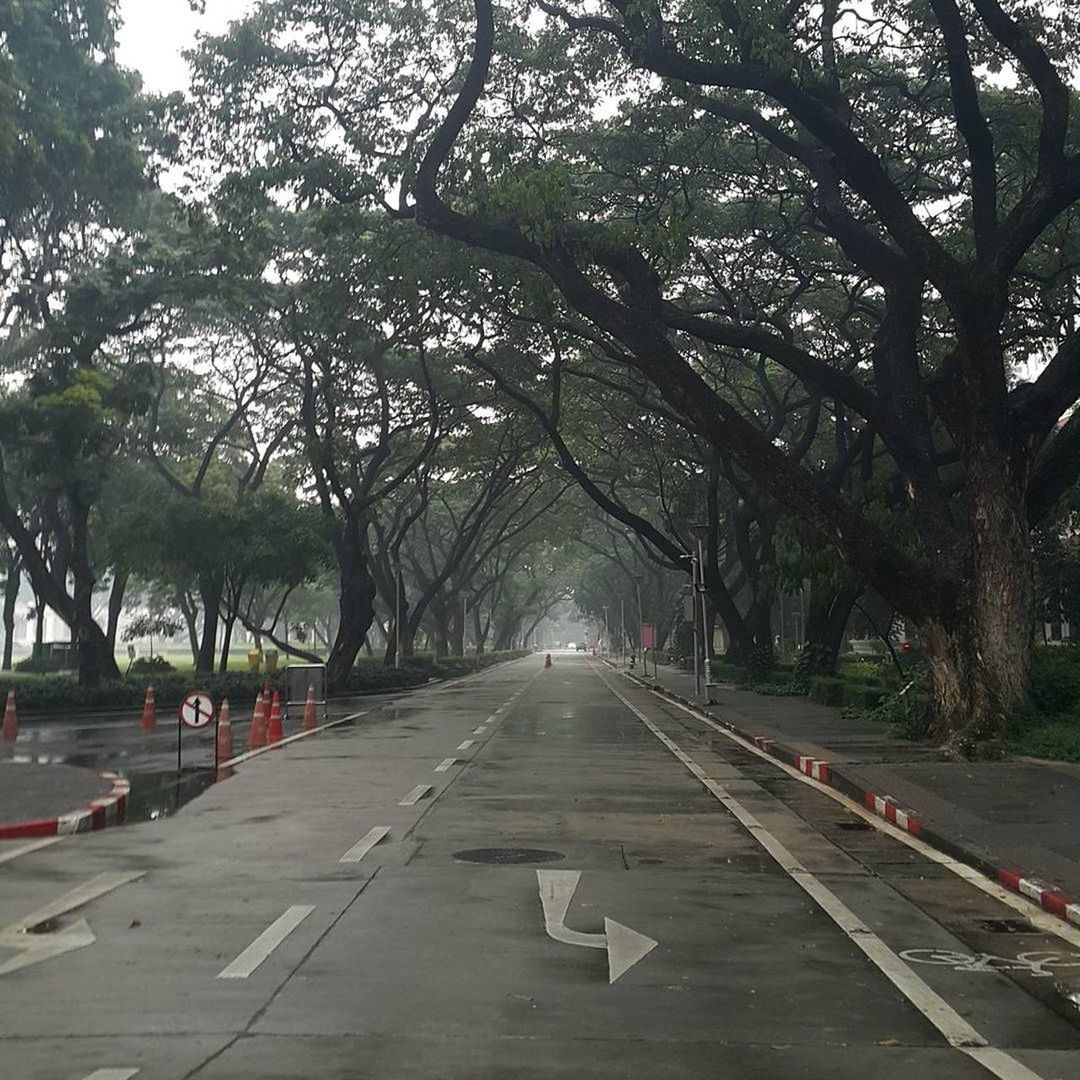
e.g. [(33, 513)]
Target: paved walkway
[(1022, 815), (30, 791)]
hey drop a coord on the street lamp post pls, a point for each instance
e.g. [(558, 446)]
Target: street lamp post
[(397, 568), (606, 647), (641, 626), (622, 632), (700, 532), (464, 608)]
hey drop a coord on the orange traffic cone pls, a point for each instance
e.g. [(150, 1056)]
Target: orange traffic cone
[(274, 732), (309, 710), (547, 660), (148, 720), (11, 721), (257, 735), (224, 738)]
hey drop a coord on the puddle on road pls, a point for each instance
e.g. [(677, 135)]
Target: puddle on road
[(156, 795)]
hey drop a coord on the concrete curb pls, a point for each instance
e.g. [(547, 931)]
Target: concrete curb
[(1048, 897), (108, 810)]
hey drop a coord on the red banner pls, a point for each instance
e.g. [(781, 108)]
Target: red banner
[(648, 635)]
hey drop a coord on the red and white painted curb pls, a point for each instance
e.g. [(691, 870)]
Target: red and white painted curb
[(887, 807), (1046, 896), (818, 770), (108, 810)]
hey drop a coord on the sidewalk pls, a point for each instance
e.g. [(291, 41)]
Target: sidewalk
[(1017, 821)]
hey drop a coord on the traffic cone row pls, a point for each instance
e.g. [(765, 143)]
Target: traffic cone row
[(148, 720), (11, 720)]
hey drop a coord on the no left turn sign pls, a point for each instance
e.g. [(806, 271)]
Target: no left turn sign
[(197, 710)]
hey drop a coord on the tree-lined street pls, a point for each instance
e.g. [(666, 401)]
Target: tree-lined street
[(781, 928)]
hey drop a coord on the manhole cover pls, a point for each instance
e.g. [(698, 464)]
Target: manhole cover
[(1007, 926), (508, 855)]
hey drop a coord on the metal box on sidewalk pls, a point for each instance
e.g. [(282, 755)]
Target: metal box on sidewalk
[(298, 677)]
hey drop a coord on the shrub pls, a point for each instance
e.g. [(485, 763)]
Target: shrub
[(827, 690), (1055, 679), (150, 665), (725, 671)]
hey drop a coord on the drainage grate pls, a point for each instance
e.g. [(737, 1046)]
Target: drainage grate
[(1007, 926), (506, 856), (855, 826)]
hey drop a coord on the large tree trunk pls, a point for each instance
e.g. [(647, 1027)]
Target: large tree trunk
[(226, 641), (210, 597), (96, 658), (979, 647), (116, 605), (356, 608), (826, 621), (11, 599), (187, 609)]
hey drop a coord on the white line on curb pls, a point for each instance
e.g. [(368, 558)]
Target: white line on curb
[(241, 758), (446, 763), (466, 744), (266, 942), (364, 845), (26, 849), (415, 795), (956, 1030)]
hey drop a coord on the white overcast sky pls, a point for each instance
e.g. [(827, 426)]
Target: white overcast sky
[(156, 31)]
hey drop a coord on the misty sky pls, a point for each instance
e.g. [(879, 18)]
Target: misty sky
[(155, 32)]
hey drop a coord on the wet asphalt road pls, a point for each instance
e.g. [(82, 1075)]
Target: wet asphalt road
[(440, 890)]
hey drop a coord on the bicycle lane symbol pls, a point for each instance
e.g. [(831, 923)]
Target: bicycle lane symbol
[(1039, 964)]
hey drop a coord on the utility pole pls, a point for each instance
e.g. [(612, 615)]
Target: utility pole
[(606, 646), (700, 532), (641, 626), (397, 568)]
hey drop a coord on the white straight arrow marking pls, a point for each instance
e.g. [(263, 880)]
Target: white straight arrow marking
[(625, 947), (364, 845), (34, 948)]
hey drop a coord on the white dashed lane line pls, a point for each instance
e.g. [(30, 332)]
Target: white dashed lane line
[(364, 845), (446, 763), (467, 744), (266, 942), (415, 795)]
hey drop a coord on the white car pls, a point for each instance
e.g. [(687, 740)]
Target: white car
[(571, 646)]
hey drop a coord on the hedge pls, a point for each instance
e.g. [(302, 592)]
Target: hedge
[(47, 693)]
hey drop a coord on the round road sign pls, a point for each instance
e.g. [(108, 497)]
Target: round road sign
[(197, 709)]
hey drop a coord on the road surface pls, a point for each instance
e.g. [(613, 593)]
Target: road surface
[(527, 874)]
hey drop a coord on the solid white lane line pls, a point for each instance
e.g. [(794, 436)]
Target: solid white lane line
[(446, 763), (112, 1074), (266, 942), (415, 795), (466, 744), (956, 1030), (364, 845), (1035, 915), (26, 849)]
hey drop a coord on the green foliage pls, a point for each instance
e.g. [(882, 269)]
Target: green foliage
[(1055, 679), (1047, 724), (827, 690), (150, 665)]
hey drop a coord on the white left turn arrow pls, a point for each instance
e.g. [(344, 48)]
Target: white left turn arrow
[(625, 947), (32, 946)]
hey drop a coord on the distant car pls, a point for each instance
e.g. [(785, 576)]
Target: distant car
[(581, 646), (571, 646)]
